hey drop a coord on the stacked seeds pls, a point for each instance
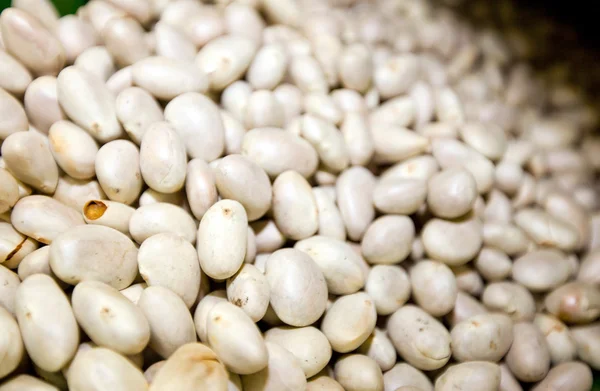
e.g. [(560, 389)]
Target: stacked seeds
[(290, 195)]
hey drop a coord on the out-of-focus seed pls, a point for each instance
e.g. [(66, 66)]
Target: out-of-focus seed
[(399, 195), (470, 376), (282, 371), (294, 206), (434, 287), (451, 193), (136, 109), (75, 35), (354, 192), (561, 344), (485, 337), (388, 240), (528, 357), (510, 298), (124, 39), (358, 372), (541, 270), (12, 116), (108, 213), (453, 242), (574, 302), (493, 264), (389, 287)]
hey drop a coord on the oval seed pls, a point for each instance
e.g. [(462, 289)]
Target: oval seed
[(389, 287), (167, 78), (97, 62), (26, 38), (330, 219), (29, 159), (118, 171), (249, 290), (136, 109), (561, 344), (528, 357), (453, 242), (357, 136), (399, 195), (576, 302), (419, 338), (26, 382), (268, 67), (94, 302), (41, 103), (73, 149), (493, 264), (222, 239), (75, 35), (575, 376), (181, 274), (108, 213), (124, 39), (547, 230), (328, 142), (171, 324), (510, 298), (470, 376), (541, 270), (388, 240), (47, 323), (358, 372), (172, 43), (198, 121), (15, 77), (88, 102), (380, 348), (76, 193), (282, 372), (298, 287), (354, 193), (294, 206), (161, 217), (10, 282), (190, 367), (12, 115), (434, 287), (11, 345), (506, 237), (485, 337), (451, 193), (9, 191), (349, 322), (200, 187), (405, 375), (43, 218)]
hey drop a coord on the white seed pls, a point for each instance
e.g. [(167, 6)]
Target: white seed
[(354, 190), (124, 39), (489, 139), (394, 144), (327, 141), (100, 12), (244, 19), (389, 287), (181, 274), (29, 159), (83, 373), (268, 67), (357, 136), (200, 187), (470, 376), (323, 106), (235, 51), (298, 287), (510, 298), (586, 337), (349, 321), (73, 149), (396, 75), (330, 219), (171, 324), (11, 346), (10, 282), (355, 67), (43, 218), (403, 375), (528, 357), (388, 240), (307, 74), (505, 237), (76, 193), (399, 195), (25, 37), (88, 102), (575, 375), (75, 35), (338, 262), (547, 230), (9, 190), (202, 310), (419, 338), (26, 382), (97, 61), (484, 337), (434, 287), (14, 77), (282, 372), (358, 372), (108, 213), (161, 217), (249, 290), (451, 193), (493, 264), (191, 366), (12, 116), (118, 171), (120, 80), (136, 109), (576, 302), (541, 270), (398, 111), (47, 323), (379, 348), (198, 121), (561, 344), (167, 78), (294, 206), (172, 43)]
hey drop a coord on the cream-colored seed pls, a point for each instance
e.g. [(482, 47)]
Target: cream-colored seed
[(359, 143), (396, 75), (493, 264), (470, 376), (389, 287), (541, 270), (547, 230), (307, 74), (576, 302), (330, 219), (561, 344), (380, 348), (399, 195), (434, 287), (12, 115), (358, 372), (26, 382), (354, 192), (394, 144), (268, 67), (76, 193), (388, 240), (47, 323), (298, 287), (485, 337), (510, 298), (14, 77), (10, 284), (200, 187), (586, 337), (243, 18), (349, 322), (124, 39), (9, 190), (25, 37), (249, 290), (161, 217), (405, 375), (234, 98), (97, 61), (505, 237), (294, 206), (120, 80), (398, 111), (263, 110), (108, 213), (202, 310), (171, 324), (528, 357), (73, 149), (172, 43), (136, 109), (76, 35), (282, 372), (574, 375), (451, 193), (36, 262), (100, 12), (118, 171), (327, 141)]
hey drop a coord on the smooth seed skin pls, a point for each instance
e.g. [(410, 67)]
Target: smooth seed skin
[(268, 67), (399, 195), (94, 252), (41, 103), (235, 98), (399, 111), (10, 282), (240, 179), (96, 61), (236, 51), (338, 262), (359, 372), (434, 287), (528, 357), (29, 159), (163, 160), (354, 193), (108, 213), (86, 372), (222, 239), (88, 102), (405, 375), (9, 191), (506, 237), (541, 270), (73, 149), (380, 348), (349, 322), (118, 171), (561, 344), (307, 344), (168, 260), (419, 338), (327, 141), (298, 287), (355, 67), (136, 109), (485, 337), (488, 139), (76, 193), (109, 318), (47, 323), (573, 376), (198, 121), (394, 144), (161, 217), (190, 367), (357, 136), (493, 264), (263, 110), (15, 77), (249, 290), (330, 219), (470, 376), (388, 240), (200, 187), (282, 373), (11, 344), (307, 74), (547, 230), (451, 193), (166, 78), (234, 132), (124, 39), (13, 118), (277, 151), (453, 242), (574, 302), (26, 38), (587, 341), (510, 298), (294, 206), (75, 35), (172, 43), (43, 218), (26, 382), (236, 339), (389, 287), (323, 383), (171, 324)]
